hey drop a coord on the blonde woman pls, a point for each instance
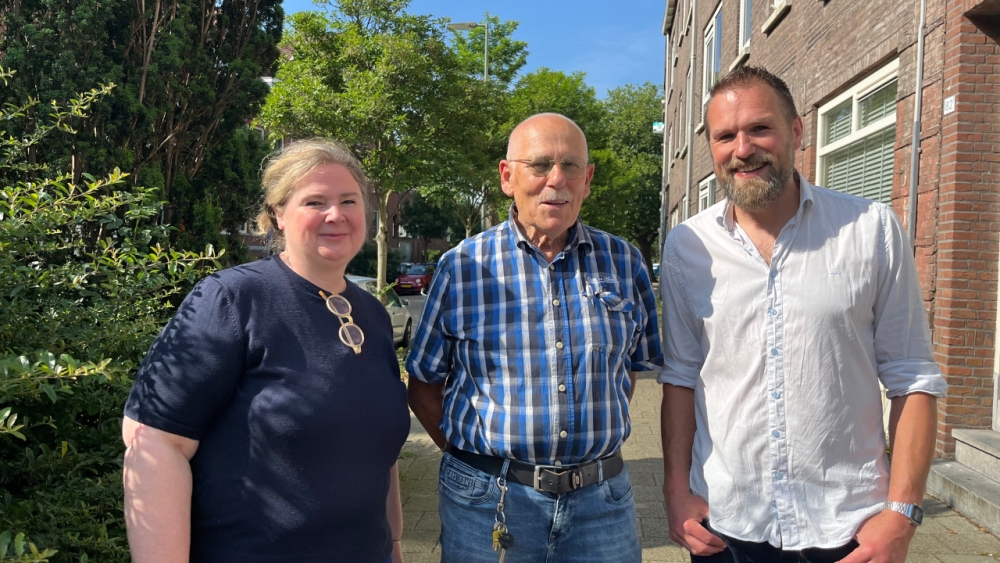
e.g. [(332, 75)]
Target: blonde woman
[(265, 422)]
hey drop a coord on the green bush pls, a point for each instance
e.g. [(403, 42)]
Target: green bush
[(85, 286), (365, 262)]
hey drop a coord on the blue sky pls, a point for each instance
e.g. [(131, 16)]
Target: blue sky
[(615, 42)]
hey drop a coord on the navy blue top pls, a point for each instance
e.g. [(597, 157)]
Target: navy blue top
[(297, 432)]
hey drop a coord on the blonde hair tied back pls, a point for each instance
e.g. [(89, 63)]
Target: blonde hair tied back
[(287, 167)]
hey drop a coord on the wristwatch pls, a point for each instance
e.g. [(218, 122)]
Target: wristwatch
[(911, 511)]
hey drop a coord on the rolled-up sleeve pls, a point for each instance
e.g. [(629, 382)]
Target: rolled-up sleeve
[(683, 353), (429, 359), (903, 350)]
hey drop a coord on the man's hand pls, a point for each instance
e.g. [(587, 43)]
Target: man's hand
[(685, 513), (883, 538)]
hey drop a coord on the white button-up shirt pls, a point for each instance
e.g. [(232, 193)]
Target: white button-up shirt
[(786, 360)]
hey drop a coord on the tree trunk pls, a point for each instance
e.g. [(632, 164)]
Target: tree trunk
[(646, 249), (382, 240)]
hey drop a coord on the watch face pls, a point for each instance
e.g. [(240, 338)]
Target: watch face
[(918, 515)]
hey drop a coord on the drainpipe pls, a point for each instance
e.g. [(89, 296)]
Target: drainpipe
[(689, 134), (664, 194), (911, 222)]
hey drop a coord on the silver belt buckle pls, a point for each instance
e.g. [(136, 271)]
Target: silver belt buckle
[(575, 474), (538, 475)]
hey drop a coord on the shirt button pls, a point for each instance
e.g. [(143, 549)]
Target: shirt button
[(774, 505), (558, 464), (774, 273), (563, 434), (552, 266), (778, 476), (559, 345), (772, 312), (775, 516), (774, 351), (775, 394), (555, 302), (562, 388), (776, 434)]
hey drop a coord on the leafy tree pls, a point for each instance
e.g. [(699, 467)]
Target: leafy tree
[(426, 220), (472, 185), (388, 85), (507, 55), (85, 285), (188, 74), (547, 90), (625, 192), (365, 262)]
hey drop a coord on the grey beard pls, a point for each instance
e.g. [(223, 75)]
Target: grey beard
[(756, 194)]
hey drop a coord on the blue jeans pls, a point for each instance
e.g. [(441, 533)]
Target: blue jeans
[(740, 551), (590, 525)]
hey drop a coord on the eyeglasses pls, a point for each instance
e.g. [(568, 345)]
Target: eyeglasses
[(350, 333), (541, 168)]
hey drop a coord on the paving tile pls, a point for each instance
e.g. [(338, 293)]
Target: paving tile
[(945, 537)]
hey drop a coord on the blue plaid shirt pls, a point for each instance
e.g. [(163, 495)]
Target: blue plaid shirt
[(536, 356)]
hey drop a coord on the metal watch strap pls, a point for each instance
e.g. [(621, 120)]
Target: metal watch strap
[(912, 511)]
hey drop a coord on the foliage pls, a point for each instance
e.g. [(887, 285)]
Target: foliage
[(188, 75), (507, 55), (628, 169), (365, 262), (425, 219), (85, 285), (388, 85), (547, 90)]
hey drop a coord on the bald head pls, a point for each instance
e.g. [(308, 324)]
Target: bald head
[(536, 126)]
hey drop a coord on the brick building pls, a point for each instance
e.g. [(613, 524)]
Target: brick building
[(852, 66)]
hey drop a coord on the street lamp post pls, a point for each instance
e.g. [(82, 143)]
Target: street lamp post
[(465, 26)]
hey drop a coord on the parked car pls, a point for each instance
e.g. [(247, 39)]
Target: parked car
[(402, 321), (415, 278), (656, 271)]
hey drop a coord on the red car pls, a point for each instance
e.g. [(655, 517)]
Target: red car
[(415, 278)]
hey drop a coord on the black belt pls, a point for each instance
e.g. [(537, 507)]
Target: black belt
[(546, 478)]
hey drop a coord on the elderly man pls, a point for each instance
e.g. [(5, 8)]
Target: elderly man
[(784, 306), (523, 365)]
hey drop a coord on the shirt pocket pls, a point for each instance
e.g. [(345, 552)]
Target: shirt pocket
[(612, 318)]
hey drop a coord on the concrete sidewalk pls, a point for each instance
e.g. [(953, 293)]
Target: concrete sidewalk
[(945, 537)]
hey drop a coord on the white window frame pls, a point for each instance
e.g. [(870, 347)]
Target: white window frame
[(878, 79), (708, 62), (746, 17), (685, 207), (706, 193), (674, 217)]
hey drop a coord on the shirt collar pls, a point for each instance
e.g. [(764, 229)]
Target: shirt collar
[(727, 218), (578, 235)]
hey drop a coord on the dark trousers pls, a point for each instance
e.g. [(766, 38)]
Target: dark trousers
[(749, 552)]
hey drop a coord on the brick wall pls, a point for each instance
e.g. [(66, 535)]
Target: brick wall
[(823, 48), (968, 214)]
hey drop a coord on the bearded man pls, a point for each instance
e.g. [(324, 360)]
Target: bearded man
[(784, 307)]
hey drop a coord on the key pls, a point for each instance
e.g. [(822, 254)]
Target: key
[(506, 541), (498, 530)]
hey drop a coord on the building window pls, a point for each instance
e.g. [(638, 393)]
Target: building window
[(746, 11), (670, 148), (674, 217), (713, 55), (685, 207), (857, 135), (706, 193)]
